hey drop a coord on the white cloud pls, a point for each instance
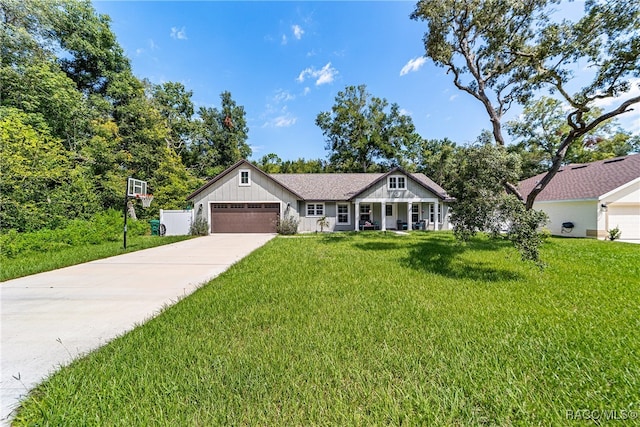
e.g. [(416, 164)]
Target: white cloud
[(452, 97), (297, 31), (283, 121), (405, 112), (178, 33), (630, 121), (283, 96), (323, 76), (413, 65), (152, 45), (139, 51), (307, 89), (284, 39)]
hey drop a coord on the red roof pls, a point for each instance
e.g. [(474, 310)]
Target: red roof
[(587, 180)]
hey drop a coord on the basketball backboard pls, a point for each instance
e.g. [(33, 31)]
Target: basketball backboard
[(136, 187)]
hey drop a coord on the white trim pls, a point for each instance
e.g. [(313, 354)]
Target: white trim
[(244, 184), (348, 213), (397, 187), (392, 200), (564, 201), (315, 210), (622, 187)]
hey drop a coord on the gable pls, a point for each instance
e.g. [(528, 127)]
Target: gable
[(232, 185)]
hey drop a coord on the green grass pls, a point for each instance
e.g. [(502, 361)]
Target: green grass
[(31, 263), (374, 329)]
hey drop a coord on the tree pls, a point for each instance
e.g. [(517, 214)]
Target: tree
[(360, 130), (503, 52), (175, 105), (222, 139), (506, 52), (540, 129), (436, 159)]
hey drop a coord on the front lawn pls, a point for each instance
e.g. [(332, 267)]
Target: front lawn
[(371, 329)]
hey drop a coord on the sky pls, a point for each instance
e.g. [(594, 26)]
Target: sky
[(285, 62)]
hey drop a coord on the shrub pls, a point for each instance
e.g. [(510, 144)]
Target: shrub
[(287, 225), (105, 226), (199, 227), (614, 233)]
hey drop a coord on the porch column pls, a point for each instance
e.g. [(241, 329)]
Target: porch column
[(383, 216), (409, 216), (436, 211), (357, 216)]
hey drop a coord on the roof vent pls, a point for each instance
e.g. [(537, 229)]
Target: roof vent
[(619, 159), (579, 167)]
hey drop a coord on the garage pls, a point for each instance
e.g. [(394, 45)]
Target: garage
[(244, 217), (626, 218)]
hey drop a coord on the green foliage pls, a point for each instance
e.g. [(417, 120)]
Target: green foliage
[(103, 227), (482, 205), (614, 233), (221, 138), (505, 52), (287, 225), (199, 227), (359, 131), (540, 130), (322, 222)]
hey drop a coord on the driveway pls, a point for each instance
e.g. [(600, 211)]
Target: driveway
[(49, 319)]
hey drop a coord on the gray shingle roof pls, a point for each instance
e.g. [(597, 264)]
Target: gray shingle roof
[(342, 186), (586, 181), (326, 186)]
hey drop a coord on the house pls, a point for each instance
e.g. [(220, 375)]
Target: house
[(243, 198), (587, 200)]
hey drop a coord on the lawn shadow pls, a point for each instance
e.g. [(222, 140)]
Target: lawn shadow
[(442, 256)]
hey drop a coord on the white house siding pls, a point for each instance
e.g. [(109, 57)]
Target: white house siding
[(227, 189), (582, 213), (623, 211)]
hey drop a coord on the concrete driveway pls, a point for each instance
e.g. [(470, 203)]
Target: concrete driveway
[(49, 319)]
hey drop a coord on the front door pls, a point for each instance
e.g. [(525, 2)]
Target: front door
[(390, 215)]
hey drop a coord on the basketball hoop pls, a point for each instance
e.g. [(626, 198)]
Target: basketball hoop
[(145, 199)]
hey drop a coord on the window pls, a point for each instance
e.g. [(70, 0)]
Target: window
[(315, 209), (432, 210), (245, 177), (397, 183), (388, 210), (365, 212), (343, 213), (415, 213)]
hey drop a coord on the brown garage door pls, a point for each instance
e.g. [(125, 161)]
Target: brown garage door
[(244, 217)]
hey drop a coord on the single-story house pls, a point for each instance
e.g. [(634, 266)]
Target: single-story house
[(587, 200), (243, 198)]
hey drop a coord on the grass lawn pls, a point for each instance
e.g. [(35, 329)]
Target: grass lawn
[(371, 329), (33, 263)]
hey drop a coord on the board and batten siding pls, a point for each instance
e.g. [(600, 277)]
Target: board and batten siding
[(413, 191), (262, 189)]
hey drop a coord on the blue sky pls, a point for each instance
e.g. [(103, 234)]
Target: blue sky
[(286, 61)]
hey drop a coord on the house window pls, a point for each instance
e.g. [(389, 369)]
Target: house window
[(365, 212), (388, 210), (415, 213), (245, 177), (432, 210), (343, 213), (397, 183), (315, 209)]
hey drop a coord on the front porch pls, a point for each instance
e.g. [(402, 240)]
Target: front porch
[(415, 214)]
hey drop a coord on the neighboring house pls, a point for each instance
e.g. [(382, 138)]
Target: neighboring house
[(593, 197), (243, 198)]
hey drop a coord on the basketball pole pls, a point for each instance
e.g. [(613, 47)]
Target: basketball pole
[(126, 201)]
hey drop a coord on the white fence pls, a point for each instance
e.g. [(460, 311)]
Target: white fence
[(176, 222)]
